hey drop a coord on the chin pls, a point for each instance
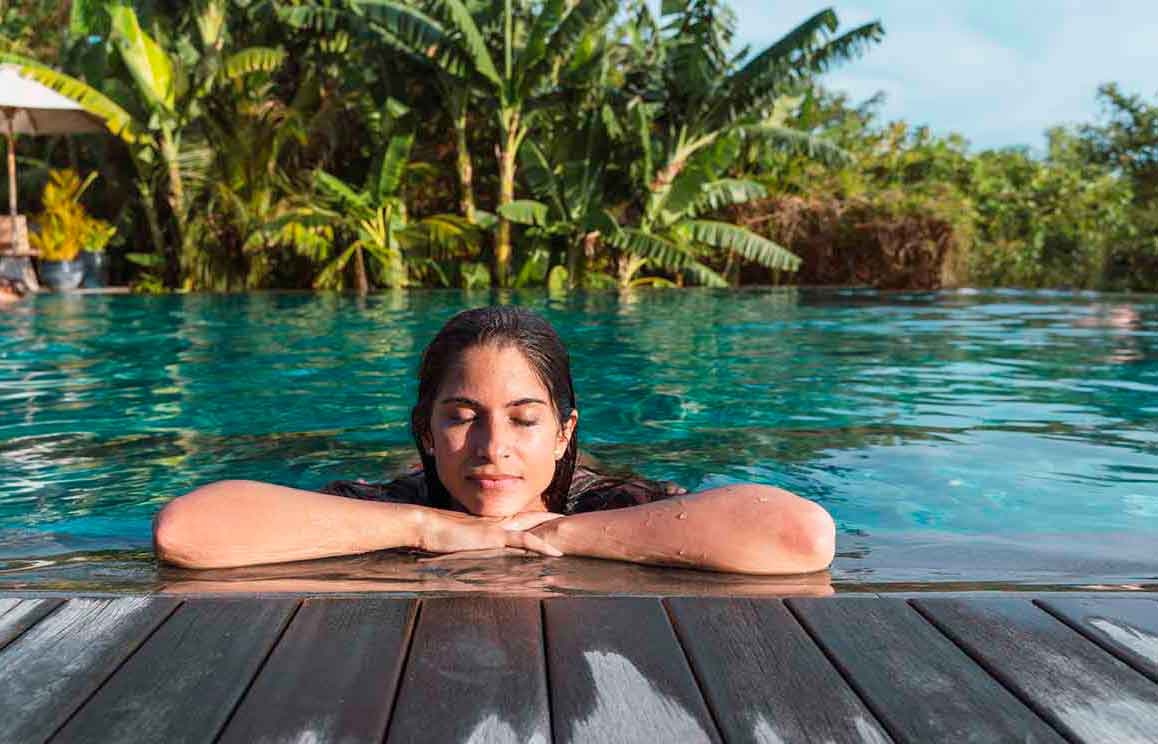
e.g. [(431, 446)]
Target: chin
[(484, 504), (495, 510)]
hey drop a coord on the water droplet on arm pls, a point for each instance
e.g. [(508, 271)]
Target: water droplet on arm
[(763, 499), (682, 515)]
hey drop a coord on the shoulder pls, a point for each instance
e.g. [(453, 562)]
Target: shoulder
[(409, 488), (595, 491)]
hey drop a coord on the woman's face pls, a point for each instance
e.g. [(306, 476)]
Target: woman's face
[(495, 433)]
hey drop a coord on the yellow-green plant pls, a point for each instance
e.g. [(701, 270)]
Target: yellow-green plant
[(65, 227)]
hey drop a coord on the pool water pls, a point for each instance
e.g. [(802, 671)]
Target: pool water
[(959, 438)]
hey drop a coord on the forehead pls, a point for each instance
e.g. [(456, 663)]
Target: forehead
[(490, 371)]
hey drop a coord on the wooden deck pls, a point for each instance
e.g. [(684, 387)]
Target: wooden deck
[(579, 669)]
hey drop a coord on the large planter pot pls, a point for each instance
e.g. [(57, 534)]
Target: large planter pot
[(62, 275), (96, 269)]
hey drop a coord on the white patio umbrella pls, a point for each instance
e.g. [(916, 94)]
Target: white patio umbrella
[(29, 107)]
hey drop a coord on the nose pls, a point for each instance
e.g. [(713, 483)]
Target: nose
[(492, 439)]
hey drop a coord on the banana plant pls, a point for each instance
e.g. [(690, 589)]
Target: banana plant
[(155, 111), (673, 233), (516, 77), (408, 31), (569, 177), (694, 110), (369, 226)]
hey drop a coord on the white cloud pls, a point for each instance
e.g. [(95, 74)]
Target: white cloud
[(998, 73)]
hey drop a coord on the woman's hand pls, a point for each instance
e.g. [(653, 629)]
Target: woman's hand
[(451, 532)]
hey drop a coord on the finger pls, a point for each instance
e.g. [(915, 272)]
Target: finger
[(532, 542)]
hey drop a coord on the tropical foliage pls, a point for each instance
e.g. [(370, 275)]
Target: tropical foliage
[(66, 228), (915, 210), (356, 144), (372, 223)]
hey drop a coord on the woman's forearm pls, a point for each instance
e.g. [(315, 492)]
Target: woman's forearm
[(745, 528), (242, 523)]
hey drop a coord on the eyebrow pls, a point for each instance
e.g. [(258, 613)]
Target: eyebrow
[(475, 404)]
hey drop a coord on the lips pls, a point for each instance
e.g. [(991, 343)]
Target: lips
[(495, 482)]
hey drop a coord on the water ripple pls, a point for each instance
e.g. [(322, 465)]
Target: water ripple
[(959, 412)]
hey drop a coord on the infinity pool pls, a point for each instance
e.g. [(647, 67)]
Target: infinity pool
[(960, 438)]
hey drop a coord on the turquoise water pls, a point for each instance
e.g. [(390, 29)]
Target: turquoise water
[(956, 437)]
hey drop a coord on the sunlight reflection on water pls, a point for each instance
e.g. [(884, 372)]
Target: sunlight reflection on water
[(955, 436)]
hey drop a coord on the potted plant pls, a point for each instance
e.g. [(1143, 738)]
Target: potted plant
[(65, 230), (93, 256)]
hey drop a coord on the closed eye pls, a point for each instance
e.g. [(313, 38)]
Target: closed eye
[(518, 422)]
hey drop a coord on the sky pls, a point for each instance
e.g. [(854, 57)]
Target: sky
[(1000, 72)]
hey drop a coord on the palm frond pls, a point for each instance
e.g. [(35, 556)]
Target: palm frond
[(307, 231), (420, 36), (470, 39), (725, 192), (805, 143), (584, 17), (392, 165), (535, 48), (801, 54), (664, 253), (338, 190), (680, 194), (525, 212), (773, 60), (149, 64), (536, 170), (442, 236), (313, 17), (194, 163), (330, 277), (119, 122), (744, 242), (846, 47)]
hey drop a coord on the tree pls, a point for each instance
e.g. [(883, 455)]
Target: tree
[(516, 76), (374, 221), (693, 105), (155, 111), (1127, 141)]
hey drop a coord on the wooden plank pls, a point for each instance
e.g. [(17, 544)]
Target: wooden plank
[(49, 671), (183, 682), (18, 615), (618, 673), (332, 676), (1127, 628), (920, 685), (475, 673), (1083, 691), (764, 678)]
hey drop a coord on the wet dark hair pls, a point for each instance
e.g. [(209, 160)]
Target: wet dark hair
[(531, 334), (501, 325)]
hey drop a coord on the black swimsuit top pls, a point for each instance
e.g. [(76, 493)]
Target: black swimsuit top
[(590, 491)]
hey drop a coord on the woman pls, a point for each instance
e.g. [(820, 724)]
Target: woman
[(495, 426)]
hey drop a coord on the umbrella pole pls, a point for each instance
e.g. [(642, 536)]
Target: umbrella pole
[(11, 116)]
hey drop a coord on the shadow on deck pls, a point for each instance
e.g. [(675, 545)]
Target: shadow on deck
[(491, 668)]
